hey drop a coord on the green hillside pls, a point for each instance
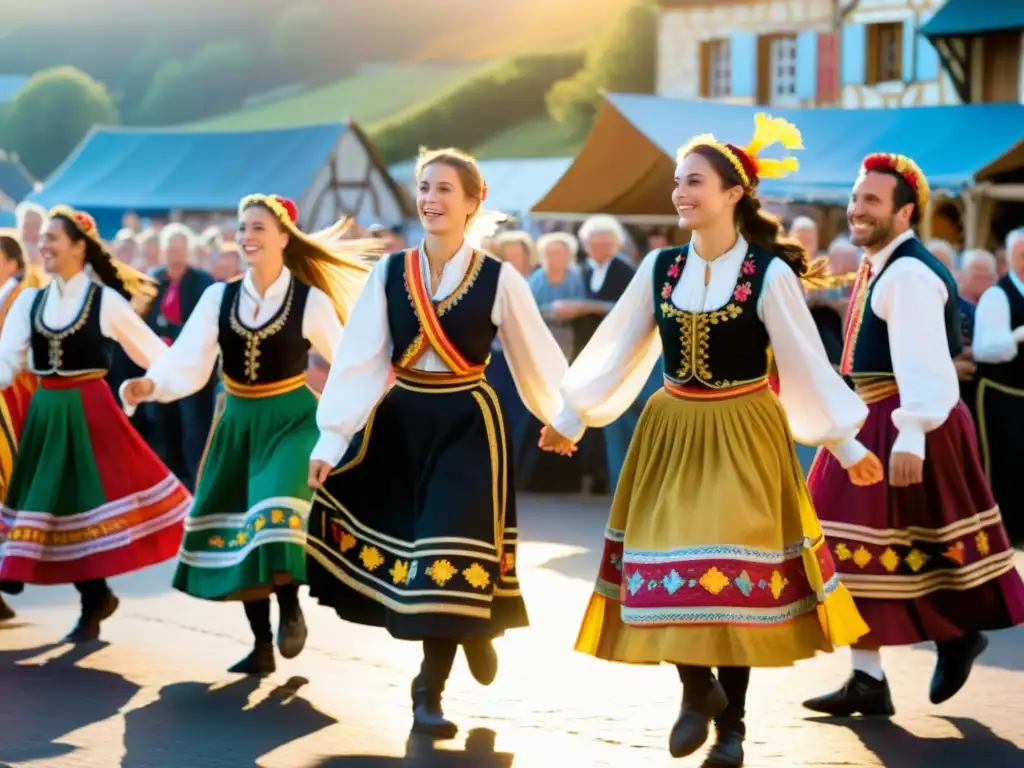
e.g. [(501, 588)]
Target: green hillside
[(540, 137), (365, 98)]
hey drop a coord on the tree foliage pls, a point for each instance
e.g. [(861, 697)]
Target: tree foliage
[(217, 79), (623, 59), (51, 114), (483, 106)]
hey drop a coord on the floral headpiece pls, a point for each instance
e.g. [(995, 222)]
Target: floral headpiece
[(749, 166), (136, 283), (286, 210), (905, 167)]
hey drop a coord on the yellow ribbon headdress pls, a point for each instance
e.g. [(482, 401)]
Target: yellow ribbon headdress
[(747, 161), (140, 285)]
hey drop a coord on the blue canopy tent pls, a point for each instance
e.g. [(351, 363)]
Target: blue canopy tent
[(15, 181), (627, 164), (10, 85), (160, 171)]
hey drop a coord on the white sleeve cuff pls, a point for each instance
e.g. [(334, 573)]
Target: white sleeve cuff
[(1018, 334), (848, 452), (910, 440), (568, 424), (330, 448)]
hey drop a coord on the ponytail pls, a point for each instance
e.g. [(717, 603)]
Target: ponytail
[(763, 230)]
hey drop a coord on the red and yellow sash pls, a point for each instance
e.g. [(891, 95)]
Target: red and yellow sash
[(431, 334), (855, 316)]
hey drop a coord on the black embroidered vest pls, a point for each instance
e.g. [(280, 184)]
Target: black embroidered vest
[(273, 352), (465, 315), (79, 348), (1010, 374), (871, 354), (723, 348)]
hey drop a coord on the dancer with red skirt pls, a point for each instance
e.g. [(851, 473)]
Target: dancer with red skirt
[(925, 554), (88, 499)]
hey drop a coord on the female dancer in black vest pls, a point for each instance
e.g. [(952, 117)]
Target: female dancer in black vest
[(245, 535), (88, 499), (714, 557), (415, 530)]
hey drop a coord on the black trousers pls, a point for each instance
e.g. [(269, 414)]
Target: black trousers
[(258, 612), (697, 681)]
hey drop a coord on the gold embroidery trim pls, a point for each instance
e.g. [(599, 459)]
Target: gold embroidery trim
[(695, 343), (55, 339), (253, 338), (259, 391), (419, 344)]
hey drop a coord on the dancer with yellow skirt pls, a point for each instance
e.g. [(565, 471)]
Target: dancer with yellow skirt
[(713, 554)]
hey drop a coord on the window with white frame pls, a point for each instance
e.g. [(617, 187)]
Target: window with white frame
[(717, 75), (782, 58)]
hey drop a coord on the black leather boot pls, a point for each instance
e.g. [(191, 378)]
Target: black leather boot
[(291, 633), (93, 614), (427, 715), (704, 699), (861, 694), (6, 612), (727, 751), (260, 662), (953, 665), (482, 660)]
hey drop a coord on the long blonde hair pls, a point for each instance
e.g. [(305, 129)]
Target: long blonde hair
[(327, 260)]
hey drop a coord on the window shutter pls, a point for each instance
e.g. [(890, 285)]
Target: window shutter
[(742, 62), (828, 68), (854, 52), (807, 65)]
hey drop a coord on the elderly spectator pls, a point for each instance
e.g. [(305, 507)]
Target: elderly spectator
[(943, 251), (517, 248), (978, 273), (228, 263), (131, 222), (805, 231), (125, 247), (998, 334), (148, 258), (558, 279), (32, 220), (180, 431)]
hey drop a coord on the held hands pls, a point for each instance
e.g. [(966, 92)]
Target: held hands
[(905, 469), (552, 441), (318, 472), (137, 390), (867, 471)]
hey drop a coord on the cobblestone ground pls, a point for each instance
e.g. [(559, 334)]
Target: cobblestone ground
[(157, 696)]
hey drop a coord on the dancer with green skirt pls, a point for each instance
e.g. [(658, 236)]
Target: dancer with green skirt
[(245, 535)]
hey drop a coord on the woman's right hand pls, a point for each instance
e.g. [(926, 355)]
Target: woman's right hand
[(867, 471), (137, 391), (551, 440), (318, 473)]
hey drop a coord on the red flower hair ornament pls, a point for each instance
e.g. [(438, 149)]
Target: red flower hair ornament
[(284, 208), (886, 162)]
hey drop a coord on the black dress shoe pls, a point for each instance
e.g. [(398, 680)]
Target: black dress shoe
[(291, 635), (860, 694), (953, 665), (727, 751), (260, 662), (427, 716), (482, 660), (87, 629), (6, 612), (691, 728)]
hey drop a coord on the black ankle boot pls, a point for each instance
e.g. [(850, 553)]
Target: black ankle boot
[(260, 661), (291, 634), (88, 627), (953, 665), (693, 725), (862, 694), (427, 716), (727, 751), (6, 612), (482, 660)]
